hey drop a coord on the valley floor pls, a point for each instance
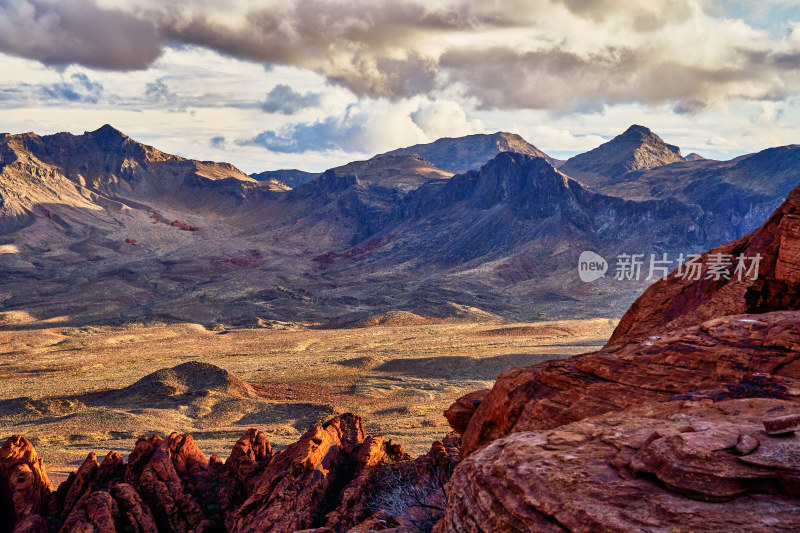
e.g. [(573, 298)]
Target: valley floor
[(70, 390)]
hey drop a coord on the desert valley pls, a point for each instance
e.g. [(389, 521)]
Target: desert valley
[(400, 266), (358, 319)]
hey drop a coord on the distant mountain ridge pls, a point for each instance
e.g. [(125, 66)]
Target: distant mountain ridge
[(98, 228), (443, 158)]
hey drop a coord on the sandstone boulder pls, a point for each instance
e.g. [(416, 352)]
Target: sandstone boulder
[(668, 466)]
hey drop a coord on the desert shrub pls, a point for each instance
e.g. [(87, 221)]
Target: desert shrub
[(411, 497)]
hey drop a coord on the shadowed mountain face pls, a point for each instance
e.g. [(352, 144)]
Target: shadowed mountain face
[(290, 177), (99, 228)]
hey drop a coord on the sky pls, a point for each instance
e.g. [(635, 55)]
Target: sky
[(312, 84)]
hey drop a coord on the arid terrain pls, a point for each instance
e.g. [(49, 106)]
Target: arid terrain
[(75, 390), (385, 329)]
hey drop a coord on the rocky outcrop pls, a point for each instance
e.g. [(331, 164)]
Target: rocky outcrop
[(24, 487), (661, 467), (333, 479), (724, 352), (250, 456), (304, 483), (460, 412)]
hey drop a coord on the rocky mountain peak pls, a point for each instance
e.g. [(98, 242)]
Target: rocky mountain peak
[(635, 131), (107, 132), (471, 152), (637, 149), (513, 177)]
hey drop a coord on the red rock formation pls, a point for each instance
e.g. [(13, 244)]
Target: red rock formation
[(24, 487), (670, 342), (720, 352), (660, 467), (302, 484), (460, 412), (326, 479), (676, 303), (250, 455)]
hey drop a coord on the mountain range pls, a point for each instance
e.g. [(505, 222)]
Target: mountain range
[(98, 228)]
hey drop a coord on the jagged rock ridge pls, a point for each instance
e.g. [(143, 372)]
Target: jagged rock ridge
[(331, 479)]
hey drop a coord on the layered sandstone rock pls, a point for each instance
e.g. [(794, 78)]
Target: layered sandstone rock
[(661, 467), (722, 352)]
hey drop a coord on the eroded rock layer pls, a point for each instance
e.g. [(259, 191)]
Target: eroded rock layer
[(672, 466)]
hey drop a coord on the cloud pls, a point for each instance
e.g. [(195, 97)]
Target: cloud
[(372, 126), (63, 32), (158, 91), (443, 118), (283, 99), (557, 55), (689, 107), (361, 129), (217, 142), (79, 88)]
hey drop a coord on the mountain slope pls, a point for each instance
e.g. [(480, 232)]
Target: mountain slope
[(739, 193), (404, 172), (101, 229), (109, 163), (291, 177), (512, 233), (636, 149), (470, 152)]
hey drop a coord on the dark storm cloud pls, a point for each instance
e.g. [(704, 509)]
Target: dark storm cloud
[(283, 99), (77, 32), (543, 54)]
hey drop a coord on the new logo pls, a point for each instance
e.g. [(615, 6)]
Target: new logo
[(591, 266)]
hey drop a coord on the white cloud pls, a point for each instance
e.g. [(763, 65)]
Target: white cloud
[(372, 126), (444, 118), (565, 74), (541, 54)]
